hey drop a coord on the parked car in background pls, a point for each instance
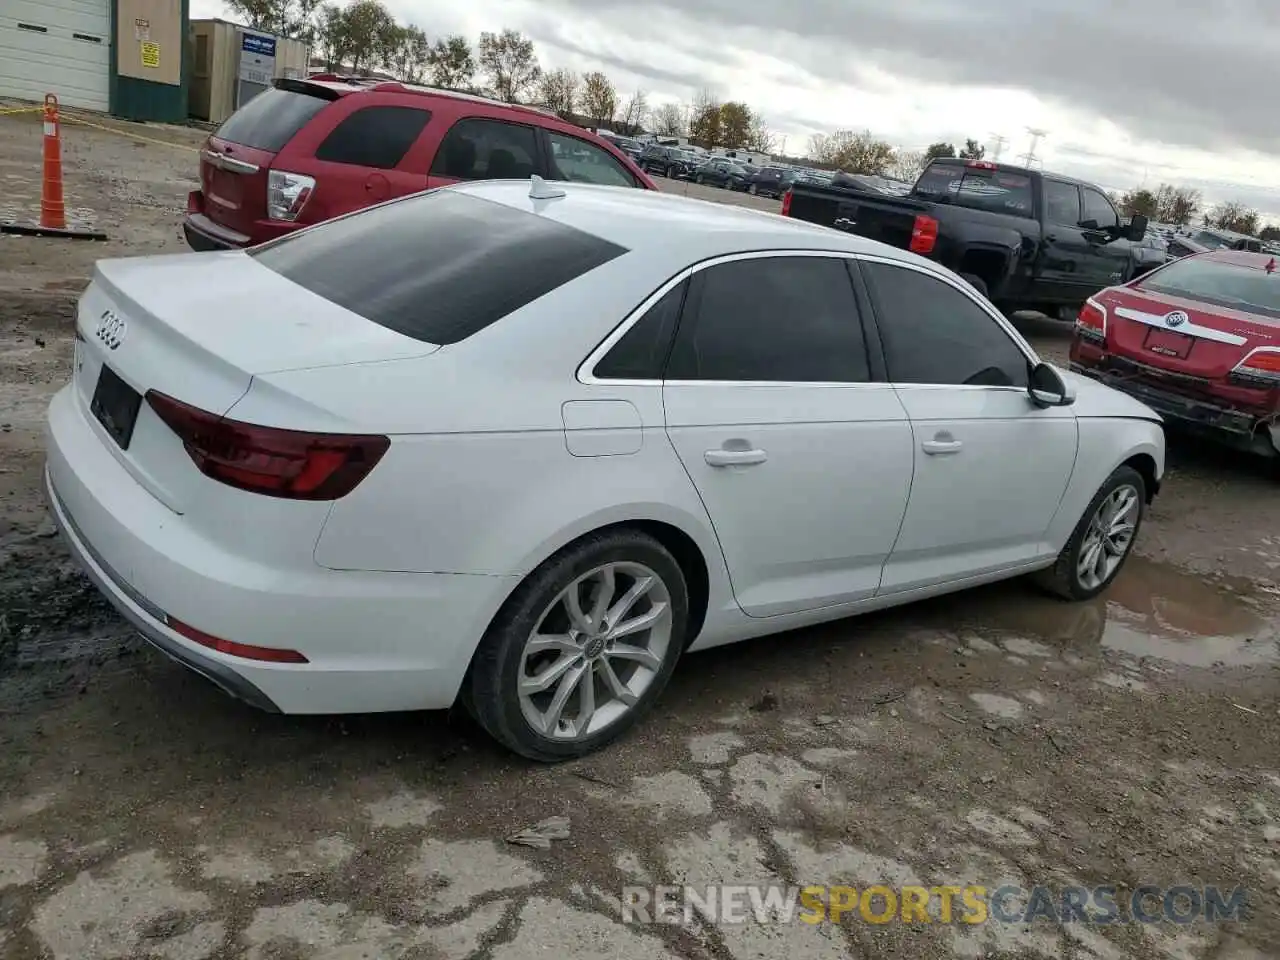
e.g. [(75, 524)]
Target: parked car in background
[(1150, 252), (306, 151), (1028, 239), (472, 446), (631, 147), (722, 172), (1180, 246), (1212, 239), (667, 161), (1198, 340), (772, 181)]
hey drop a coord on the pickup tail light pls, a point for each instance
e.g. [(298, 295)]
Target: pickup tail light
[(786, 204), (924, 234), (1091, 321), (1260, 368), (291, 464), (287, 194), (980, 165)]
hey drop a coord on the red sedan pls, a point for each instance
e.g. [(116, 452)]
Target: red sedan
[(1198, 340)]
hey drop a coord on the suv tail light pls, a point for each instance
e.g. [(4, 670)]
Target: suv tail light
[(1091, 321), (1260, 368), (287, 194), (292, 464), (924, 234), (786, 204)]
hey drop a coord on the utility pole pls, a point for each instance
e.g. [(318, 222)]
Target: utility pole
[(999, 141), (1036, 135)]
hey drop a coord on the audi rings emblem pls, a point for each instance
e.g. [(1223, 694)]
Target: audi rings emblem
[(1175, 319), (110, 330)]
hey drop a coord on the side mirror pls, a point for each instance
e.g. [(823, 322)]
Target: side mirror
[(1089, 225), (1137, 228), (1047, 388)]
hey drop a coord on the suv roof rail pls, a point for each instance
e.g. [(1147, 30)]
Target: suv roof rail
[(461, 95)]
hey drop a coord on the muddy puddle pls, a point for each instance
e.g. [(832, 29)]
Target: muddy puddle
[(1153, 610)]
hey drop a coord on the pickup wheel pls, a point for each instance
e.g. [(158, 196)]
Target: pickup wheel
[(976, 282)]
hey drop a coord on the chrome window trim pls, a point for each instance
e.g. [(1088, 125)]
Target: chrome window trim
[(586, 370)]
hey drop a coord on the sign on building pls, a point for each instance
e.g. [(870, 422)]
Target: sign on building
[(257, 65)]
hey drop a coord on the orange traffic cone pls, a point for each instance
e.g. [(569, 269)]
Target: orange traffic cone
[(53, 209), (53, 212)]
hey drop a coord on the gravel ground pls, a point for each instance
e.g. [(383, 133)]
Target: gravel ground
[(990, 737)]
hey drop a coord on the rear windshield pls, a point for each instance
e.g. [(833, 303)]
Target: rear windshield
[(995, 190), (269, 120), (438, 266), (1250, 288)]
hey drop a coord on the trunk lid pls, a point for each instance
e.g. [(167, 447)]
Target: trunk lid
[(235, 162), (199, 327), (870, 215)]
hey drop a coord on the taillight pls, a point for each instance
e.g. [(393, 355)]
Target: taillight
[(924, 234), (980, 165), (293, 464), (786, 204), (1091, 321), (1261, 368), (287, 194)]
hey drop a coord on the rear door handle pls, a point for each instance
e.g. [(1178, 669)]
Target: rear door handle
[(937, 448), (734, 458)]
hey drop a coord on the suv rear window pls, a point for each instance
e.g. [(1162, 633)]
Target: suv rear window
[(438, 266), (995, 190), (269, 120)]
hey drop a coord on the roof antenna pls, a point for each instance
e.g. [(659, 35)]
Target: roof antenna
[(539, 189)]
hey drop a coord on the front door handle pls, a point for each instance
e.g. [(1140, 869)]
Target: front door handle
[(936, 448), (734, 458)]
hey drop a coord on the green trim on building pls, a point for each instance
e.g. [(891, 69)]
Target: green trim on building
[(133, 99)]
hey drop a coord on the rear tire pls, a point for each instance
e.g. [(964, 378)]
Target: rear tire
[(976, 282), (753, 190), (538, 636), (1094, 544)]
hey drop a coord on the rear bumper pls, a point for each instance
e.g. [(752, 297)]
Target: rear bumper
[(203, 234), (374, 641), (1242, 428)]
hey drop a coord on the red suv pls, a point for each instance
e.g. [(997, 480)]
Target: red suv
[(1198, 340), (309, 150)]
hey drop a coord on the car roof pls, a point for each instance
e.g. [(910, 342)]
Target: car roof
[(1242, 258), (666, 226)]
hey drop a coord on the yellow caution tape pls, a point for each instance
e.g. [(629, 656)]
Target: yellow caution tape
[(99, 126)]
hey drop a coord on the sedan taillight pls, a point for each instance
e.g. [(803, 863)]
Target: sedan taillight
[(293, 464), (287, 194)]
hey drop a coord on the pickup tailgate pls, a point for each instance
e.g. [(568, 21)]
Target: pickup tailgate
[(887, 219)]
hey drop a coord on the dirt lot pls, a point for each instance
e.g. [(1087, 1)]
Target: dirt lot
[(991, 737)]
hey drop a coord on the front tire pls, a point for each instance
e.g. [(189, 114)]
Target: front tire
[(582, 649), (1101, 541)]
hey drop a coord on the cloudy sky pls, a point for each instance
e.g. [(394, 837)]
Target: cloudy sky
[(1129, 91)]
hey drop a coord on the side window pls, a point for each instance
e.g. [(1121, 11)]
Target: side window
[(375, 137), (476, 149), (582, 162), (1098, 207), (933, 333), (778, 318), (1062, 203), (641, 354)]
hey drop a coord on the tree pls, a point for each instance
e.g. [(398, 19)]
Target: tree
[(1176, 204), (368, 26), (1234, 216), (509, 59), (634, 112), (760, 139), (332, 36), (599, 98), (408, 53), (1270, 233), (822, 149), (704, 119), (1140, 202), (973, 150), (936, 151), (559, 91), (668, 120), (858, 152), (450, 63), (735, 124), (288, 18), (907, 165)]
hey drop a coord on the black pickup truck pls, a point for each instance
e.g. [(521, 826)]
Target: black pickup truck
[(1028, 240)]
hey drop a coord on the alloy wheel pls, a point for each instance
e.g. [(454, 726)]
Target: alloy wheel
[(595, 650), (1109, 536)]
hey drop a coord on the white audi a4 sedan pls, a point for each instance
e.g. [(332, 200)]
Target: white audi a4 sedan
[(520, 446)]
